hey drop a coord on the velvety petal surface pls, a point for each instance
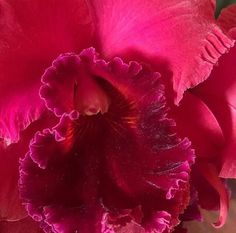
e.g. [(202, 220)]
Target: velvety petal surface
[(218, 93), (195, 120), (11, 208), (122, 162), (25, 225), (68, 85), (10, 205), (32, 34), (181, 37)]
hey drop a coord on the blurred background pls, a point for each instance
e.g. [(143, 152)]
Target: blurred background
[(211, 217)]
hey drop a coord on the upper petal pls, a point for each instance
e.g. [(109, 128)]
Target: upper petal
[(180, 36), (32, 34)]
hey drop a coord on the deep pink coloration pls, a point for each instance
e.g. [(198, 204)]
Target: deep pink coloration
[(32, 34), (224, 110), (212, 105), (11, 208), (227, 20), (71, 84), (11, 205), (25, 225), (94, 167), (107, 155), (169, 32)]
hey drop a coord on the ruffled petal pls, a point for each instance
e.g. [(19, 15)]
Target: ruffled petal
[(92, 164), (150, 30), (10, 205), (73, 219), (130, 221), (126, 221), (11, 208), (220, 88), (161, 221), (70, 84), (32, 34)]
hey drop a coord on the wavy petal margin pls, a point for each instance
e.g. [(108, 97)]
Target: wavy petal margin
[(108, 162), (150, 30), (32, 34)]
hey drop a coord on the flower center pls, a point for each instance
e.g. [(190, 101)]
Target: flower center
[(89, 98), (72, 83)]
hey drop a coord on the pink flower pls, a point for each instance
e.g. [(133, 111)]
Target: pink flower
[(211, 127), (84, 109)]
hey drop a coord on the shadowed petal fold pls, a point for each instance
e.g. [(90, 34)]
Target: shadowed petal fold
[(181, 37), (195, 120), (211, 174), (123, 160), (220, 88), (25, 225), (32, 34), (11, 208)]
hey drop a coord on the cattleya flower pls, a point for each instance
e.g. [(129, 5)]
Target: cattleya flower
[(115, 116)]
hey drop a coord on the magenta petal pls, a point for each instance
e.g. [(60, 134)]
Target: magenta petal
[(67, 83), (222, 91), (195, 120), (58, 176), (25, 225), (211, 175), (73, 219), (127, 220), (161, 221), (11, 208), (227, 20), (130, 221), (17, 112), (32, 34), (105, 163), (152, 28)]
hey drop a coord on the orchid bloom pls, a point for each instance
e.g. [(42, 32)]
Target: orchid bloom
[(108, 115)]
